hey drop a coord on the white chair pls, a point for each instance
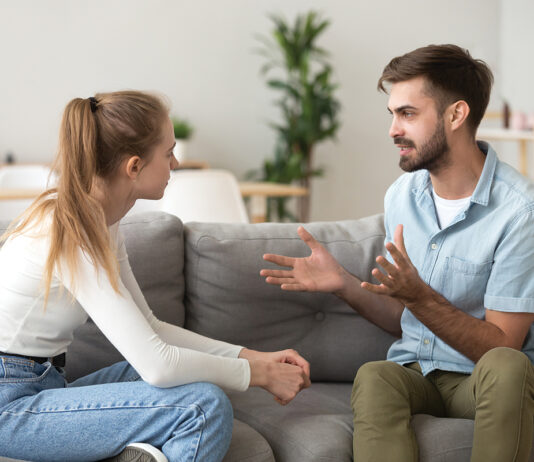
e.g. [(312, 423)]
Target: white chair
[(204, 195), (24, 177)]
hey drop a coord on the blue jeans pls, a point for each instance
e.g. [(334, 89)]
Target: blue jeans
[(42, 418)]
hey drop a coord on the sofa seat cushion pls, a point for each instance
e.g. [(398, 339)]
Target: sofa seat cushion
[(227, 299), (248, 445), (315, 426), (445, 440)]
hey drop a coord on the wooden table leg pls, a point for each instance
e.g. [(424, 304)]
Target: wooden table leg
[(523, 157), (258, 209)]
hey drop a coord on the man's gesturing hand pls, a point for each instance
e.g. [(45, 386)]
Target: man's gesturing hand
[(320, 272), (401, 280)]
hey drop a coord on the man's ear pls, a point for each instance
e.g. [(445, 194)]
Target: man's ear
[(457, 114), (134, 165)]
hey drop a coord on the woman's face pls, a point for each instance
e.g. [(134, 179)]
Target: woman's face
[(155, 174)]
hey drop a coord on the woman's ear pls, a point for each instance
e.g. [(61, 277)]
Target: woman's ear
[(458, 113), (134, 165)]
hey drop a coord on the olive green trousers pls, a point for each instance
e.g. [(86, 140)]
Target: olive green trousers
[(498, 395)]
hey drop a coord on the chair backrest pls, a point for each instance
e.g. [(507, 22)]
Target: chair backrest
[(25, 176), (204, 195)]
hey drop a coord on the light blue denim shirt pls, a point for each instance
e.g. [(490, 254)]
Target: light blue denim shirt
[(483, 259)]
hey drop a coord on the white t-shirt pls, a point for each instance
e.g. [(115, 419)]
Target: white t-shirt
[(449, 209), (164, 355)]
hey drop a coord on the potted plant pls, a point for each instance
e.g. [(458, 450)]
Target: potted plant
[(183, 131), (308, 106)]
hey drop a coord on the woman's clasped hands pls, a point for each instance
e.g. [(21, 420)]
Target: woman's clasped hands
[(282, 373)]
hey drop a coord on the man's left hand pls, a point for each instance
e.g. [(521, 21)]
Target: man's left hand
[(401, 279)]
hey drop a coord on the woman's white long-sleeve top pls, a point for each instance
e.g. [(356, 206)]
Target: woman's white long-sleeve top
[(164, 355)]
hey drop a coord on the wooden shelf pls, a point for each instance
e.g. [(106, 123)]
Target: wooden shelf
[(522, 137)]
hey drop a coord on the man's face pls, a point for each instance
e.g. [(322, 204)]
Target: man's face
[(417, 128)]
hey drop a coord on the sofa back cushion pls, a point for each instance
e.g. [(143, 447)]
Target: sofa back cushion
[(154, 242), (227, 299)]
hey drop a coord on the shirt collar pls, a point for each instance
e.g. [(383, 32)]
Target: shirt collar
[(483, 188)]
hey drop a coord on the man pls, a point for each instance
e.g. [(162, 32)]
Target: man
[(458, 283)]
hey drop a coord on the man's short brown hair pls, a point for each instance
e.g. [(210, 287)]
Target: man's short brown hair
[(451, 74)]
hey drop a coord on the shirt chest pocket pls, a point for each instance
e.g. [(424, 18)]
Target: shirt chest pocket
[(464, 283)]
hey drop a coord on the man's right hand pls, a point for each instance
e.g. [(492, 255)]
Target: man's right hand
[(320, 272)]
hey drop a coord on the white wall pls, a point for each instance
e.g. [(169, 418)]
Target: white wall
[(516, 55), (201, 55)]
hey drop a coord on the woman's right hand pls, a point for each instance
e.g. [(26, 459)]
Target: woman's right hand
[(283, 380), (319, 272)]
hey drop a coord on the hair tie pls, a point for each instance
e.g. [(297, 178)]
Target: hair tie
[(93, 102)]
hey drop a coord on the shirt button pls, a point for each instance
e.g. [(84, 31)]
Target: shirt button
[(426, 341), (434, 246)]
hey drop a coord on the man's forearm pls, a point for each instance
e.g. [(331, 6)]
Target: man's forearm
[(381, 310), (470, 336)]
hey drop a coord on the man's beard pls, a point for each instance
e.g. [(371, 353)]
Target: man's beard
[(433, 154)]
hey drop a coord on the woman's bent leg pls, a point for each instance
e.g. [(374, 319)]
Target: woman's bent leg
[(190, 423), (118, 372)]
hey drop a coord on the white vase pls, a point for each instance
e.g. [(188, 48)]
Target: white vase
[(180, 150)]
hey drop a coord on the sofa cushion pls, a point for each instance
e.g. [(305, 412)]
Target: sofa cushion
[(227, 299), (315, 426), (247, 445), (154, 243)]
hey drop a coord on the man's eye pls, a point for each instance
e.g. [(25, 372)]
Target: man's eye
[(408, 114)]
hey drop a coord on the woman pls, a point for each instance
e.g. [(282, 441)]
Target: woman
[(65, 260)]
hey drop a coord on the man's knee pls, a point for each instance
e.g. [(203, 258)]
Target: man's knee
[(502, 367), (374, 378)]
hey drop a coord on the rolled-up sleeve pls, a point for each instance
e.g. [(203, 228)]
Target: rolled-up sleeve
[(511, 283)]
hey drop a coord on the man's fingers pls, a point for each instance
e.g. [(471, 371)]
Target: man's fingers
[(399, 238), (397, 255), (308, 239), (280, 260), (381, 289), (384, 263), (275, 273), (382, 278), (279, 281), (293, 287)]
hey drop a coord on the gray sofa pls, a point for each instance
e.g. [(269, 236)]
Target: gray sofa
[(206, 277)]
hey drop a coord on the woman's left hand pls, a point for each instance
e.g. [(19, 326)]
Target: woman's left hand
[(284, 356)]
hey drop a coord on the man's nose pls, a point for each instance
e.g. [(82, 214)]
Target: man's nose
[(395, 129), (174, 163)]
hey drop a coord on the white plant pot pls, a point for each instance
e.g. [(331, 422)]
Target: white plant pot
[(180, 150)]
